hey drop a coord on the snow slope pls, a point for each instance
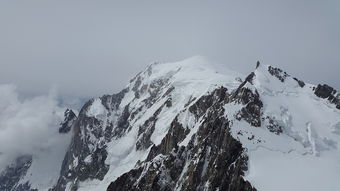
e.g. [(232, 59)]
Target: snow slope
[(190, 79), (291, 137), (306, 155)]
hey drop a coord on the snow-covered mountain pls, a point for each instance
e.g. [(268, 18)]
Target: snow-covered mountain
[(191, 125)]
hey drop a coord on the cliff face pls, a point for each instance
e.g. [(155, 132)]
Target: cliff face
[(14, 173), (190, 126), (150, 117), (209, 159)]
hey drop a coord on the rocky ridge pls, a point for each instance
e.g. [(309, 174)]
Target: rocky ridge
[(188, 126)]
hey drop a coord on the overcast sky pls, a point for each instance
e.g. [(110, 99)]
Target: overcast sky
[(88, 48)]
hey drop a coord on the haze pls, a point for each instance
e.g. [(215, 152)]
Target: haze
[(90, 48)]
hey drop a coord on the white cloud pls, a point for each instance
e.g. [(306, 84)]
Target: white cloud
[(26, 125)]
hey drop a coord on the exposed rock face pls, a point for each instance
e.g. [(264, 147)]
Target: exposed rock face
[(183, 126), (324, 91), (277, 72), (69, 119), (282, 75), (300, 82), (274, 126), (9, 178), (104, 119), (252, 110), (85, 158), (212, 160), (327, 92), (145, 131)]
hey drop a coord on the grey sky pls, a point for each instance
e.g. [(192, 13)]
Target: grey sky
[(88, 48)]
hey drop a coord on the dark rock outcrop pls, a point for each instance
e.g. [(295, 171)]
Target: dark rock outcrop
[(278, 73), (282, 75), (145, 131), (69, 119), (324, 91), (273, 126), (196, 147), (300, 82), (10, 177), (251, 112), (85, 158), (327, 92), (212, 160)]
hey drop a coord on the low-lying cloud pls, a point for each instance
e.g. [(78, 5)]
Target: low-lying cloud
[(26, 125)]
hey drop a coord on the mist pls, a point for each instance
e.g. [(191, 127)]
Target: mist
[(28, 126), (90, 48)]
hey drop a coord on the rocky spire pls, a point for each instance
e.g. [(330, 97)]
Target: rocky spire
[(69, 119), (257, 64)]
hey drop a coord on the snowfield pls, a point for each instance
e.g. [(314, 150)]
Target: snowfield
[(306, 155), (295, 147), (191, 78)]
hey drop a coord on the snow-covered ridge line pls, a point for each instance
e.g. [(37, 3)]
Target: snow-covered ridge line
[(172, 112), (158, 93)]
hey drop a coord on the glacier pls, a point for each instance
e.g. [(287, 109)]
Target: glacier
[(174, 123)]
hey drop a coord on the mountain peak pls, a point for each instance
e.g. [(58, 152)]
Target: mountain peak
[(195, 125)]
